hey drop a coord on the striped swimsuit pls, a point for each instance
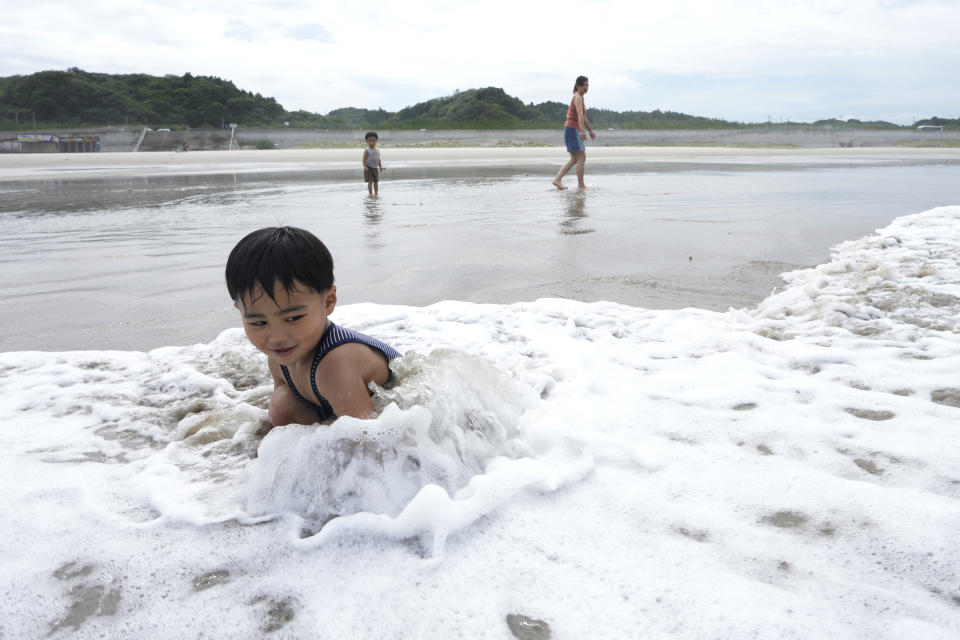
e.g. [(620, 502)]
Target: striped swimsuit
[(332, 338)]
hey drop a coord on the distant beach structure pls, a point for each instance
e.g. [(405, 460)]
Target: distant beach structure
[(49, 143), (929, 127)]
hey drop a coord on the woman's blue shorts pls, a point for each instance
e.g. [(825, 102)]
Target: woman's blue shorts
[(572, 137)]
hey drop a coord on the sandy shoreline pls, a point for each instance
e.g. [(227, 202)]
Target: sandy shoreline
[(41, 166)]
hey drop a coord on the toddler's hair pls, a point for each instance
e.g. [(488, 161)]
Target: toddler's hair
[(278, 254), (579, 82), (371, 134)]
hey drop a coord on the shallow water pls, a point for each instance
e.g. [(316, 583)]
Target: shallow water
[(137, 263)]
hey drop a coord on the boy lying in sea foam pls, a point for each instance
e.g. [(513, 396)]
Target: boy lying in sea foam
[(281, 280)]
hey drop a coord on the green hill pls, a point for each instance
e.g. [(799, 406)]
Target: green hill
[(78, 97), (72, 98), (488, 108)]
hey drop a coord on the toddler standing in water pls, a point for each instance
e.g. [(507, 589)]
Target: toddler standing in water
[(371, 163), (281, 280)]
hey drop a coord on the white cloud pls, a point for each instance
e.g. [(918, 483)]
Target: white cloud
[(309, 31)]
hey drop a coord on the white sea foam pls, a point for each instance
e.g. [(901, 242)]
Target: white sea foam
[(787, 471)]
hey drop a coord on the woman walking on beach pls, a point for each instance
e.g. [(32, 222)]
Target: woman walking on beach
[(575, 134)]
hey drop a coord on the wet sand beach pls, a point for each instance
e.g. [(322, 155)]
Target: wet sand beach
[(126, 250), (336, 162)]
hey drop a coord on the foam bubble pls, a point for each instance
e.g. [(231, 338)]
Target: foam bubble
[(436, 458)]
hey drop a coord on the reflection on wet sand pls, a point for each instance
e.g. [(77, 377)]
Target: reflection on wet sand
[(372, 217), (372, 212), (576, 212)]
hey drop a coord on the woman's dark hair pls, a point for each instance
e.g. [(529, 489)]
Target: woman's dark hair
[(579, 82), (278, 254), (371, 134)]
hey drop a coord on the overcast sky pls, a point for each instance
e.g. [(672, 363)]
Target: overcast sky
[(750, 60)]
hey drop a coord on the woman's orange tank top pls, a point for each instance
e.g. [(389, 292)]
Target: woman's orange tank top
[(572, 119)]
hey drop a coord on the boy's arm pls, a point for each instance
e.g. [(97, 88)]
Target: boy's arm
[(285, 408), (344, 374), (365, 152)]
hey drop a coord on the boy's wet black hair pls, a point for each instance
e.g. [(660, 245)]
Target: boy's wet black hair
[(278, 254), (371, 134)]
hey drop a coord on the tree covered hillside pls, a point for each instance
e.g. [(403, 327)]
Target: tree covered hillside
[(491, 107), (79, 97), (73, 98)]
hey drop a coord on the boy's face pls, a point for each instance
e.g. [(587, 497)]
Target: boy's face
[(287, 330), (371, 142)]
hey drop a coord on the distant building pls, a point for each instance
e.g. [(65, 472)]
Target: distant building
[(929, 127), (79, 144), (49, 143)]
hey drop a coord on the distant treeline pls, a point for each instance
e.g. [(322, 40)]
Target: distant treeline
[(493, 108), (74, 98)]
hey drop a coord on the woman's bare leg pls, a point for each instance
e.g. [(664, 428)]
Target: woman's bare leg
[(563, 171), (581, 161)]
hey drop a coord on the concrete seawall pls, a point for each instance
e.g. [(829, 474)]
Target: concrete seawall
[(125, 139), (812, 137), (111, 138)]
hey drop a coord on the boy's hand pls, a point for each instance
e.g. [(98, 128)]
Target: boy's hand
[(263, 428)]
